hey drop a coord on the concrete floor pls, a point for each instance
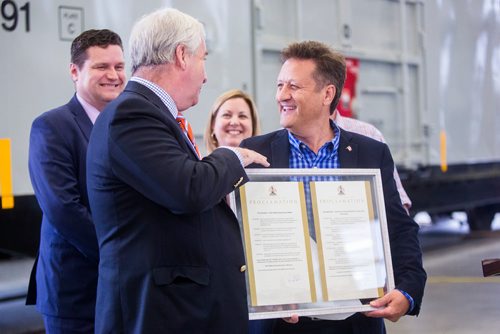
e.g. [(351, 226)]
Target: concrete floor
[(15, 316), (457, 299)]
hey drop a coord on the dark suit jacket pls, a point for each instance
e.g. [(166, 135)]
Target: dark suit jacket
[(66, 272), (170, 247), (357, 151)]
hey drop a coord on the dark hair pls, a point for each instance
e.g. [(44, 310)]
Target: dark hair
[(330, 65), (89, 38)]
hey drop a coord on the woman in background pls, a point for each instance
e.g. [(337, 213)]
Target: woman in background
[(233, 118)]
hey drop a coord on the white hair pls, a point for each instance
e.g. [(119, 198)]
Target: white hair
[(155, 36)]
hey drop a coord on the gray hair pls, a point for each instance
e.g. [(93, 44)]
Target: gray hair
[(155, 37)]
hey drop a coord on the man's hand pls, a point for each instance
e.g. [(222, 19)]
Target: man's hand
[(294, 318), (250, 157), (396, 305)]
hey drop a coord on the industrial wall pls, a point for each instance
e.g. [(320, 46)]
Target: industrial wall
[(429, 71)]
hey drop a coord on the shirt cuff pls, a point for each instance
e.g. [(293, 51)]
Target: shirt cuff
[(240, 158), (412, 302)]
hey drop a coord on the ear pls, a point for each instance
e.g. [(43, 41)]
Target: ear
[(73, 71), (329, 94), (180, 56)]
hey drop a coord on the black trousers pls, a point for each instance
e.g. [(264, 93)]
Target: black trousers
[(355, 324)]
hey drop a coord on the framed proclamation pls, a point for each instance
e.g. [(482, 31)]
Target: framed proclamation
[(316, 241)]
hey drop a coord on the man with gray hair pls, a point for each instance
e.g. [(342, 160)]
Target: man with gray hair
[(171, 257)]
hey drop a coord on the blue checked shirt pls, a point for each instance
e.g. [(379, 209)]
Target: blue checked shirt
[(301, 156)]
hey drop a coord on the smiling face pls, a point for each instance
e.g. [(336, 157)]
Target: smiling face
[(233, 122), (102, 76), (303, 104)]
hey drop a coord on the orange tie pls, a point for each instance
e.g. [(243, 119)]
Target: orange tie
[(188, 131)]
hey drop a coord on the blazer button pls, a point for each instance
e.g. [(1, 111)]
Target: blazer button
[(243, 268)]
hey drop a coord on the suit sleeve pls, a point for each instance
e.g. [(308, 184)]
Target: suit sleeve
[(55, 180), (406, 254), (148, 154)]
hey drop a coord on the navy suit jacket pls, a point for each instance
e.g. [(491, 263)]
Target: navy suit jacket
[(171, 254), (357, 151), (66, 270)]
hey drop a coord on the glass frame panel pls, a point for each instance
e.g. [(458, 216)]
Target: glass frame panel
[(316, 241)]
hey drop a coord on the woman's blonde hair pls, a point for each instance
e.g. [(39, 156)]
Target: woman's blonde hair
[(211, 142)]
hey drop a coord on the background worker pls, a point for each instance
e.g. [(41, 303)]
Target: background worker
[(366, 129)]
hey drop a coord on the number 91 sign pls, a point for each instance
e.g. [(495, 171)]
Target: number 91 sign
[(12, 14)]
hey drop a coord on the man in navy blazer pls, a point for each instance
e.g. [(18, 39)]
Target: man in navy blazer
[(308, 90), (171, 257), (64, 278)]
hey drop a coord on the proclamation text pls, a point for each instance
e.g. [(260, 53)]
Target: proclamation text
[(278, 253)]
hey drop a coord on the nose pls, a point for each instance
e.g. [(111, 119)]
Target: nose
[(233, 120), (112, 74), (282, 93), (204, 76)]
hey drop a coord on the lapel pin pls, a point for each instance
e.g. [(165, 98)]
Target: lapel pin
[(349, 148)]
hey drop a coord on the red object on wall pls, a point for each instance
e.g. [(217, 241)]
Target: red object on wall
[(349, 92)]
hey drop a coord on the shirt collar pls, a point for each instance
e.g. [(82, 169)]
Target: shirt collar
[(295, 143), (90, 110), (160, 92)]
